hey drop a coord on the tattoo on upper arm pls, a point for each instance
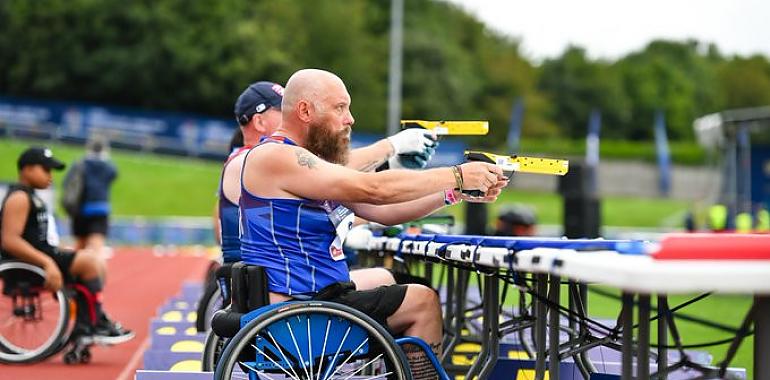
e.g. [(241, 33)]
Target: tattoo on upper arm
[(305, 159)]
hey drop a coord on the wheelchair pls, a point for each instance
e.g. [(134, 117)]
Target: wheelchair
[(216, 297), (217, 281), (304, 339), (36, 323)]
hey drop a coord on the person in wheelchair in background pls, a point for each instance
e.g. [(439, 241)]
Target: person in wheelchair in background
[(294, 224), (24, 236)]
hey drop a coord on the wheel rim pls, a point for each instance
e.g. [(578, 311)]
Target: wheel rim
[(212, 351), (280, 345), (30, 326), (214, 304)]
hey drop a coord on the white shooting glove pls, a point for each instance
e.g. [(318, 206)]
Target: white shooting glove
[(412, 141)]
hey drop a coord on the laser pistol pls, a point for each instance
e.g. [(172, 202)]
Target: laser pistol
[(511, 164)]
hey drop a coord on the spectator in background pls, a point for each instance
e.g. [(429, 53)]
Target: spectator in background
[(517, 220), (90, 219)]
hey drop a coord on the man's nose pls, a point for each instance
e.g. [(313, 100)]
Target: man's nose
[(350, 120)]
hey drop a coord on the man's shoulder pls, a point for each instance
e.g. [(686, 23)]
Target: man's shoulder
[(273, 153), (17, 196)]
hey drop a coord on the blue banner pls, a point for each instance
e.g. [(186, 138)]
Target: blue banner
[(663, 153), (592, 138), (162, 132), (514, 128)]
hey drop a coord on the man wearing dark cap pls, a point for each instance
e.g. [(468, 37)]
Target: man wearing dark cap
[(24, 237), (517, 220), (258, 112)]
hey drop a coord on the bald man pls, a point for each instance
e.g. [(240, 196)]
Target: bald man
[(258, 112), (294, 224)]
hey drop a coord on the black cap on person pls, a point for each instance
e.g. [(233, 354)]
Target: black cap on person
[(39, 156), (257, 98)]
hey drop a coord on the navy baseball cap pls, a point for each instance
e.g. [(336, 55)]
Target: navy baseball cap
[(257, 98), (39, 156)]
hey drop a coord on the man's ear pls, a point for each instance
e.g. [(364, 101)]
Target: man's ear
[(258, 125), (305, 111)]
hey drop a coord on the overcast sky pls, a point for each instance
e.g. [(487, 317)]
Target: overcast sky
[(612, 28)]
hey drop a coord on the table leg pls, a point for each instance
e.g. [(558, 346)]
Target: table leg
[(662, 338), (628, 334), (553, 327), (761, 336), (643, 348), (540, 325)]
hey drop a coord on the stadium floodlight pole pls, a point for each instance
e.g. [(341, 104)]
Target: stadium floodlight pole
[(396, 54)]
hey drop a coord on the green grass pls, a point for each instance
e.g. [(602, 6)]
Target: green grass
[(725, 309), (682, 152), (616, 211)]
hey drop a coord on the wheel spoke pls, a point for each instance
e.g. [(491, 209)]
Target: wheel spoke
[(363, 366), (310, 348), (296, 347), (278, 346), (352, 353), (255, 371), (336, 354), (323, 350), (274, 362)]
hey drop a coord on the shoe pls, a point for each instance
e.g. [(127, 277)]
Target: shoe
[(108, 332)]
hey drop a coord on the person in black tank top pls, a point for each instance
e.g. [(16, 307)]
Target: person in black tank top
[(24, 236)]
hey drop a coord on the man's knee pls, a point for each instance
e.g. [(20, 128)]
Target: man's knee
[(87, 264), (423, 299)]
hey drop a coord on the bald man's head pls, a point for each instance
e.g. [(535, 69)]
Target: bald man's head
[(312, 85), (316, 108)]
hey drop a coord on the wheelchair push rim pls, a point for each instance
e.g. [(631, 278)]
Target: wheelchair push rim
[(33, 321), (279, 344)]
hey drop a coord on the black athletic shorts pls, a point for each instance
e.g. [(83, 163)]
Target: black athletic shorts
[(64, 260), (378, 303), (83, 226)]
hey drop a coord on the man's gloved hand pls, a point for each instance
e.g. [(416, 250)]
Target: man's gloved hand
[(412, 148), (412, 140), (413, 160)]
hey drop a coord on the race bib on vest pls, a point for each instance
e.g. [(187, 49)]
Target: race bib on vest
[(342, 218)]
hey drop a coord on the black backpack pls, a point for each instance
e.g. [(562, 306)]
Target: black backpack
[(72, 189)]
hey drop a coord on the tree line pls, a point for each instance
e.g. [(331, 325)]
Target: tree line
[(197, 56)]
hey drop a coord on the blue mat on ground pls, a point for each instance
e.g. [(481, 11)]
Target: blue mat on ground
[(165, 375), (163, 360)]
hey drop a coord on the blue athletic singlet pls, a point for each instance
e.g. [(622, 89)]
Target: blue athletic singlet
[(295, 240), (229, 219)]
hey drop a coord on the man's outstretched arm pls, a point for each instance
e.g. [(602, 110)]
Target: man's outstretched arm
[(408, 211), (298, 172)]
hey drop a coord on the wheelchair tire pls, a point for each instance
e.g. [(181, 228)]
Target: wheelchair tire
[(17, 345), (212, 351), (209, 303), (389, 361)]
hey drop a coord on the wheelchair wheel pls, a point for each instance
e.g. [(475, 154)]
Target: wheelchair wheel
[(210, 302), (34, 322), (212, 351), (312, 340)]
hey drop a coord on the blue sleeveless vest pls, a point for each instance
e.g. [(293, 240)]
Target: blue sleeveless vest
[(295, 240)]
